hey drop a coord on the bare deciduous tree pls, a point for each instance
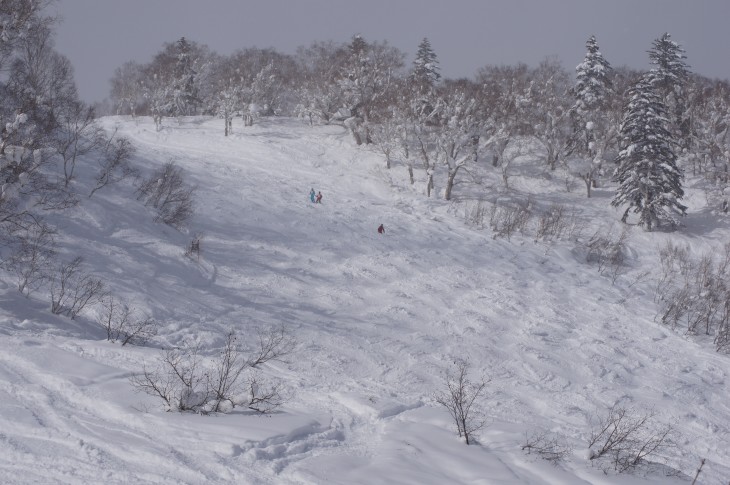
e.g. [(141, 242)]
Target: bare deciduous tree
[(506, 220), (32, 256), (177, 379), (73, 289), (114, 163), (555, 222), (79, 135), (168, 193), (609, 251), (626, 437), (461, 399), (123, 324), (273, 345), (548, 447), (185, 383)]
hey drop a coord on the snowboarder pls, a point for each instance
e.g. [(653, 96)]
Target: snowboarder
[(318, 200), (311, 195), (381, 229)]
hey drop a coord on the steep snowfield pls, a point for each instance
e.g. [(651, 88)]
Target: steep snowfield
[(378, 321)]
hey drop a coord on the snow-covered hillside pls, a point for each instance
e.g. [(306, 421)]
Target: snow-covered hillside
[(378, 320)]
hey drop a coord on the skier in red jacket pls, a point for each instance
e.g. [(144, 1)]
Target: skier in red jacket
[(381, 229)]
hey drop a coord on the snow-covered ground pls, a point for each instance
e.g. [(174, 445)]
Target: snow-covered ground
[(378, 319)]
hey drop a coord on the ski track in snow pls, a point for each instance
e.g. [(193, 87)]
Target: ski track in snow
[(378, 320)]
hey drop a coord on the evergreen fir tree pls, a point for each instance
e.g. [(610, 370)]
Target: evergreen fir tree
[(358, 47), (184, 88), (670, 76), (426, 66), (592, 91), (649, 180)]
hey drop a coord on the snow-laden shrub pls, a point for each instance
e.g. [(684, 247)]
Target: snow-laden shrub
[(167, 191)]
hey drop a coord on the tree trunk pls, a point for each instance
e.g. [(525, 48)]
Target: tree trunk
[(588, 179), (552, 159), (450, 182)]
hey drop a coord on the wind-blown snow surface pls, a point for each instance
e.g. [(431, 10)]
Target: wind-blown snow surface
[(378, 320)]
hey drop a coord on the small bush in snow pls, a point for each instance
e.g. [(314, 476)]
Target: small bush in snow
[(476, 214), (114, 163), (33, 251), (124, 324), (626, 437), (193, 248), (461, 398), (168, 193), (557, 222), (693, 292), (547, 447), (609, 251), (506, 221), (185, 381), (73, 289)]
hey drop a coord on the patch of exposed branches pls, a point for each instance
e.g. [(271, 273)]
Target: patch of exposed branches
[(507, 220), (73, 289), (31, 253), (626, 437), (609, 251), (547, 446), (694, 294), (168, 193), (114, 163), (125, 324), (556, 223), (186, 381), (476, 214), (192, 250)]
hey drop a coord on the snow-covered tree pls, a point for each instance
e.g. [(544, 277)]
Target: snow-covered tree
[(458, 133), (505, 90), (229, 104), (650, 182), (265, 75), (365, 80), (426, 66), (592, 92), (126, 88), (182, 66), (184, 89), (670, 76), (40, 80), (158, 93), (591, 121), (265, 89), (548, 110), (318, 93), (15, 17)]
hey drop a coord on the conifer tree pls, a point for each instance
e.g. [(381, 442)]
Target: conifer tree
[(592, 90), (649, 180), (184, 83), (670, 76), (426, 66)]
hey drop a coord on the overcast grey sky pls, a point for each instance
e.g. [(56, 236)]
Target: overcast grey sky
[(100, 35)]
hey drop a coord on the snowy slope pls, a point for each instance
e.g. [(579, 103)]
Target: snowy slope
[(378, 320)]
